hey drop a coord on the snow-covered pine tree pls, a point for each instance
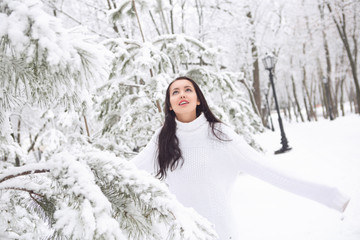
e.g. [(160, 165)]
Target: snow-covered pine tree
[(72, 190)]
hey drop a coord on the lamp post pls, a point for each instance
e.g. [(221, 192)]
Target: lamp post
[(327, 93), (269, 63)]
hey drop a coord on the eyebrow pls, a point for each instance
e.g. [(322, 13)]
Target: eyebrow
[(178, 88)]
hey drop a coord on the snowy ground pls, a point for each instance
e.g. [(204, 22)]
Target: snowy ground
[(324, 151)]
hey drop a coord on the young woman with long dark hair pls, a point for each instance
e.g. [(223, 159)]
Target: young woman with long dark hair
[(199, 158)]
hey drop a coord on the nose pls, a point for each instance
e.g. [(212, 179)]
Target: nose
[(182, 95)]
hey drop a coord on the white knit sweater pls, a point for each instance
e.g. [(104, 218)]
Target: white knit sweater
[(210, 169)]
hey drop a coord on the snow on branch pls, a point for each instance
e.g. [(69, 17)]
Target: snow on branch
[(84, 212), (24, 170), (40, 54)]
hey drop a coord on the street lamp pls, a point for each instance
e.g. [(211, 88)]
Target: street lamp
[(269, 63), (327, 93)]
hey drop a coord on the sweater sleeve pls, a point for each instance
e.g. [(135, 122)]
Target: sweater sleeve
[(254, 163), (146, 159)]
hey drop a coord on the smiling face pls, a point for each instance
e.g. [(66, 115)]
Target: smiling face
[(183, 100)]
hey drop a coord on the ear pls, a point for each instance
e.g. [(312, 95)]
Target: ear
[(198, 102), (170, 108)]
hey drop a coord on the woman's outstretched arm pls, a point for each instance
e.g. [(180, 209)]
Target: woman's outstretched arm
[(254, 163)]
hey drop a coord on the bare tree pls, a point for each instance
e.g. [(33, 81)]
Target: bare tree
[(340, 20)]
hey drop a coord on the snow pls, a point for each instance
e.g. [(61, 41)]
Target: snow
[(324, 151)]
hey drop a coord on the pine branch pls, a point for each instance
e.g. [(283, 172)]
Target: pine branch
[(44, 207), (40, 204), (4, 177)]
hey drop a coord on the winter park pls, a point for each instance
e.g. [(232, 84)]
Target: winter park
[(179, 119)]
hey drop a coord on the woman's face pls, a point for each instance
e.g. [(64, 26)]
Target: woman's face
[(183, 100)]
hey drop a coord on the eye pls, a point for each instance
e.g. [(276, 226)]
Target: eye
[(188, 90), (175, 92)]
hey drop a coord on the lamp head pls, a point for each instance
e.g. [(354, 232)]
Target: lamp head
[(269, 62)]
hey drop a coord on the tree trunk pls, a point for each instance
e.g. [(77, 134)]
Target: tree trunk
[(256, 81), (289, 102), (289, 109), (342, 97), (328, 95), (330, 101), (336, 96), (199, 9), (324, 103), (296, 99), (295, 112), (255, 71), (171, 18), (352, 99), (162, 17), (313, 90), (309, 109), (183, 16), (251, 96), (285, 113), (154, 22)]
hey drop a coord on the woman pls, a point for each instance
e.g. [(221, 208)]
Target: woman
[(199, 158)]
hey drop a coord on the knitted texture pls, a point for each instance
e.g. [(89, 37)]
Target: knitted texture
[(211, 166)]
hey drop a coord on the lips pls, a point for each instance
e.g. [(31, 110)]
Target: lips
[(183, 102)]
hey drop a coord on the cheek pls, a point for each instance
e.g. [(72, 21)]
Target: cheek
[(172, 101)]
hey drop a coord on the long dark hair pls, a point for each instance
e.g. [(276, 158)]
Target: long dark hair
[(169, 153)]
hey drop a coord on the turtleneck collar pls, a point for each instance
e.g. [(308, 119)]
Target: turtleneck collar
[(193, 125)]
